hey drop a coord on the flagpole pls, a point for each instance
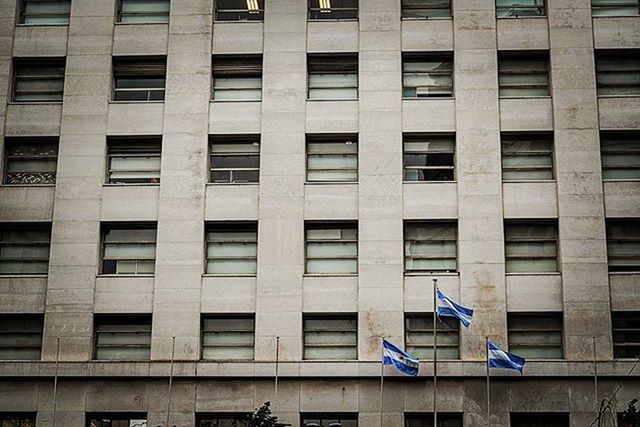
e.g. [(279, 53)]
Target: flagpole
[(276, 378), (55, 381), (173, 351), (382, 383), (486, 347), (435, 353), (595, 377)]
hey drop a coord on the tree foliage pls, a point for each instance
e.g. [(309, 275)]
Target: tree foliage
[(631, 416), (262, 417)]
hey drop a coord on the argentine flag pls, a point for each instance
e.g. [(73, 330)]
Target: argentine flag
[(404, 362), (448, 308), (498, 358)]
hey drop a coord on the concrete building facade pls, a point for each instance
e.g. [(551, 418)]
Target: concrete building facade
[(584, 291)]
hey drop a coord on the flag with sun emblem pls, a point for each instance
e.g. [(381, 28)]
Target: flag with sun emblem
[(403, 361)]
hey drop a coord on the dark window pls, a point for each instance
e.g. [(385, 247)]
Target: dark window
[(333, 77), (330, 337), (144, 11), (129, 249), (329, 420), (620, 155), (38, 79), (332, 158), (24, 248), (331, 248), (523, 74), (426, 8), (18, 420), (531, 246), (30, 161), (418, 330), (536, 335), (139, 78), (237, 78), (122, 337), (333, 9), (228, 337), (618, 72), (45, 12), (429, 157), (430, 246), (239, 10), (615, 7), (117, 420), (623, 244), (426, 420), (628, 418), (527, 157), (134, 160), (234, 159), (520, 8), (20, 337), (232, 248), (536, 419), (427, 75), (626, 334)]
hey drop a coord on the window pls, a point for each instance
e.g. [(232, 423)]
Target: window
[(18, 420), (134, 160), (129, 249), (228, 337), (237, 78), (235, 159), (333, 9), (537, 419), (427, 75), (418, 332), (139, 79), (332, 248), (626, 334), (123, 337), (428, 157), (426, 8), (527, 157), (24, 248), (45, 12), (623, 244), (519, 8), (144, 11), (31, 161), (426, 420), (329, 420), (332, 158), (535, 336), (333, 77), (430, 247), (110, 419), (531, 247), (20, 336), (620, 155), (232, 248), (330, 337), (618, 72), (239, 10), (523, 74), (38, 79), (615, 7)]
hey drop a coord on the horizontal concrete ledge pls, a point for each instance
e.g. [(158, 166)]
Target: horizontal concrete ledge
[(306, 369)]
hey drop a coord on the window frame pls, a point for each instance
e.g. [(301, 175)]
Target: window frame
[(119, 416), (325, 416), (236, 67), (426, 57), (347, 317), (30, 416), (319, 10), (611, 55), (621, 3), (230, 317), (519, 56), (25, 317), (224, 139), (408, 138), (536, 315), (411, 18), (342, 226), (120, 13), (26, 227), (335, 139), (230, 226), (36, 62), (428, 418), (618, 317), (260, 13), (622, 222), (106, 227), (544, 13), (129, 67), (122, 319), (611, 137), (12, 142), (326, 64), (534, 257), (546, 417), (137, 146), (22, 13), (444, 326), (515, 137), (425, 224)]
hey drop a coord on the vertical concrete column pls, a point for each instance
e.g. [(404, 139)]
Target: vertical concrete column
[(7, 28), (180, 248), (75, 236), (282, 175), (583, 258)]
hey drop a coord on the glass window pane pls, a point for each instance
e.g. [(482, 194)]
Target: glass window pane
[(231, 266)]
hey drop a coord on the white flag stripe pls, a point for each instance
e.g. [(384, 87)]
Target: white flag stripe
[(397, 356), (447, 304)]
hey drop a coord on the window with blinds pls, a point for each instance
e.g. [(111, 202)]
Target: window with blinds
[(18, 419), (620, 155), (615, 7), (111, 419), (418, 332), (426, 419), (427, 75), (537, 419), (329, 420), (30, 161), (332, 158), (24, 248), (237, 78), (333, 77), (330, 337), (420, 9), (535, 335), (618, 72), (531, 247), (45, 12), (430, 247), (234, 159), (139, 78), (333, 9), (224, 419), (20, 336), (133, 160), (626, 334), (429, 157), (520, 8), (144, 11), (229, 337), (523, 74), (527, 157), (331, 248), (38, 79), (128, 249), (239, 10), (232, 248), (122, 337), (623, 244)]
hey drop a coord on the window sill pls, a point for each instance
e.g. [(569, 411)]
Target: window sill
[(133, 184), (522, 17), (435, 18), (227, 184), (34, 103), (125, 275), (527, 181), (226, 101), (619, 96), (622, 180), (614, 16), (46, 25), (429, 98), (533, 273), (228, 275), (430, 274), (218, 361), (135, 102), (331, 183), (331, 99), (624, 273), (333, 20), (23, 276), (430, 182), (126, 24), (26, 185), (328, 275), (525, 97), (243, 21)]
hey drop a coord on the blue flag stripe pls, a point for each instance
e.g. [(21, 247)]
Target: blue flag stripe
[(403, 361)]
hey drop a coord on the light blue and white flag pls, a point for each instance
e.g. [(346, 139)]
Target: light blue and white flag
[(448, 308), (498, 358), (404, 362)]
